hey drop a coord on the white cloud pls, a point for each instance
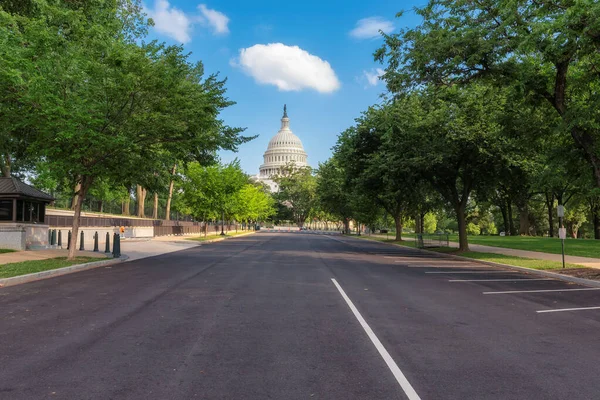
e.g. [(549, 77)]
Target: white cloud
[(170, 21), (174, 23), (288, 67), (215, 19), (368, 28), (373, 76)]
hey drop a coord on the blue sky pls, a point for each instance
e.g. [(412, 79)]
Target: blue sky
[(314, 56)]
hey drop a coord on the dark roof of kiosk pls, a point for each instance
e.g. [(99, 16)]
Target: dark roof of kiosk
[(12, 186)]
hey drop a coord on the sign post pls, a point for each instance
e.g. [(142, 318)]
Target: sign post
[(562, 232)]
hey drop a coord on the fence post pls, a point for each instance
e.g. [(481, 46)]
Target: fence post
[(107, 244), (69, 241), (60, 239), (81, 244), (96, 241)]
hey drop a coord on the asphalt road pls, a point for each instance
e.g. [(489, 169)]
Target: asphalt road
[(298, 316)]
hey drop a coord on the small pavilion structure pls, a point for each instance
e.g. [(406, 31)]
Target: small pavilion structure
[(22, 213), (20, 202)]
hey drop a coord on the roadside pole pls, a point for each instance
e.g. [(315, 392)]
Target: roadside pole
[(562, 232)]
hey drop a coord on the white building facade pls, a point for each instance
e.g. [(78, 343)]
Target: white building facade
[(284, 148)]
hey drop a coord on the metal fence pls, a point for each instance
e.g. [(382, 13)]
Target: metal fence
[(67, 221), (431, 240)]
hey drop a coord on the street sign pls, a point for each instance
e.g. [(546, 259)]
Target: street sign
[(560, 210), (562, 233)]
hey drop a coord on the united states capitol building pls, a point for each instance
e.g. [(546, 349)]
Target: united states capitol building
[(284, 148)]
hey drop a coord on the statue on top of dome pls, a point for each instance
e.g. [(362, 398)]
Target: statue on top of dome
[(285, 111)]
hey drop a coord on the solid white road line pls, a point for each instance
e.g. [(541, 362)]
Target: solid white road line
[(481, 271), (540, 291), (501, 280), (569, 309), (400, 378)]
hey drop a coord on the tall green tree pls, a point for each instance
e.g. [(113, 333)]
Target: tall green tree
[(296, 191), (103, 103), (546, 49), (333, 192), (213, 192)]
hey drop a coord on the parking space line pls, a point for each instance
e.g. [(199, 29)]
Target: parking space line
[(502, 280), (541, 291), (569, 309), (400, 378), (481, 271)]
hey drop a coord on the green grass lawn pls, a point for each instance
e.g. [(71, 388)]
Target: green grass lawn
[(6, 251), (217, 236), (512, 260), (499, 258), (28, 267), (573, 247)]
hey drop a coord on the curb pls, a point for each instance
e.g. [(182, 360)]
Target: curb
[(540, 272), (51, 273)]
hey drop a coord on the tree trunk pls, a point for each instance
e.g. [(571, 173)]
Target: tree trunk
[(5, 166), (463, 241), (524, 220), (511, 223), (346, 227), (100, 206), (79, 196), (171, 183), (126, 206), (141, 201), (596, 219), (75, 197), (550, 206), (155, 208), (422, 219), (398, 223), (418, 224), (504, 219)]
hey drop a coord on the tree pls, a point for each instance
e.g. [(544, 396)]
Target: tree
[(549, 50), (253, 204), (297, 191), (102, 103), (373, 167), (212, 192), (451, 138), (333, 192)]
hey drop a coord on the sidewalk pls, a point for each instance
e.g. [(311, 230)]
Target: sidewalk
[(133, 249), (136, 250)]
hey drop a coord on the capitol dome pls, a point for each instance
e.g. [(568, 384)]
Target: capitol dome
[(284, 148)]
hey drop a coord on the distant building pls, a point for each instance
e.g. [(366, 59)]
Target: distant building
[(283, 148)]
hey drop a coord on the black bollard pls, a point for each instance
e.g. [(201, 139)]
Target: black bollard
[(69, 241), (107, 244), (49, 237), (53, 241), (81, 245), (117, 246), (96, 241), (59, 238)]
